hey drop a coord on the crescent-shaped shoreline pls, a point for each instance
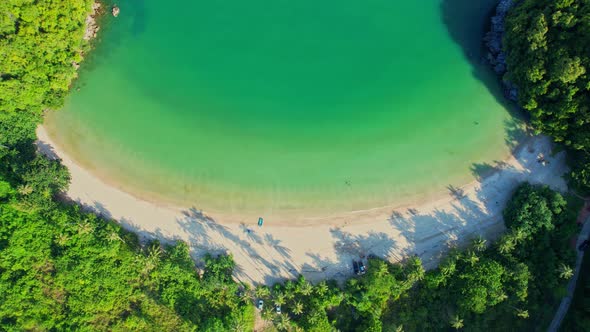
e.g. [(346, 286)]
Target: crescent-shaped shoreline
[(323, 247)]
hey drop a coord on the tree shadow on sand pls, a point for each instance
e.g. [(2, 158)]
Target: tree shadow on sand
[(431, 235), (262, 250), (348, 247), (427, 234)]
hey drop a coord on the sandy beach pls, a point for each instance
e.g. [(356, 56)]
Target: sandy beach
[(324, 248)]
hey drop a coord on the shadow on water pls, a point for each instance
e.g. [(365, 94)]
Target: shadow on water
[(467, 21)]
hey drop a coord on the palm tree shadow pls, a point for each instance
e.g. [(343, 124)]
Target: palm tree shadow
[(431, 235), (348, 247)]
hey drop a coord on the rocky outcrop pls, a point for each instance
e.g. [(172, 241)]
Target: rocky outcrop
[(91, 28), (115, 11), (91, 25), (493, 41)]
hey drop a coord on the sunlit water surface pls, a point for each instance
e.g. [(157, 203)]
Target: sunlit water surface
[(299, 106)]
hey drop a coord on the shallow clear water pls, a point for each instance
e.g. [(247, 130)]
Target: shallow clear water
[(283, 105)]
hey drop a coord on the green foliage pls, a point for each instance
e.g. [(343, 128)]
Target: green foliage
[(39, 42), (533, 209), (5, 190), (579, 177), (547, 43), (64, 270), (512, 284), (481, 286), (302, 304), (497, 288), (578, 316), (41, 180)]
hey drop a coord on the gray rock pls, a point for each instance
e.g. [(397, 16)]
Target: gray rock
[(493, 41), (116, 10)]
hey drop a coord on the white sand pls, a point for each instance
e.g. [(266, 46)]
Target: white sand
[(325, 249)]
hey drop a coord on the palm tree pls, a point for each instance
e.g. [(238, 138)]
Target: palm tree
[(148, 264), (150, 261), (399, 328), (382, 269), (414, 270), (522, 313), (298, 308), (279, 299), (290, 289), (154, 253), (268, 313), (305, 288), (322, 288), (518, 234), (506, 245), (262, 291), (479, 243), (25, 189), (471, 257), (456, 322), (501, 297), (237, 326), (85, 228), (282, 322), (245, 295), (62, 239), (113, 237), (565, 271), (448, 267)]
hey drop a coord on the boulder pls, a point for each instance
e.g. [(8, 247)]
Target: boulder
[(116, 11)]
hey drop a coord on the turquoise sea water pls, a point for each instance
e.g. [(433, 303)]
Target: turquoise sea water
[(281, 105)]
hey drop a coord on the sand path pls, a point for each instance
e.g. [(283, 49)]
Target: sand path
[(326, 248)]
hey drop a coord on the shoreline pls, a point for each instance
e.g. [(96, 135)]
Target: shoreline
[(323, 248), (301, 217)]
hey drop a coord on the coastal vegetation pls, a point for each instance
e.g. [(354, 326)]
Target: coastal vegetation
[(65, 269), (40, 44), (62, 268), (514, 283), (547, 45)]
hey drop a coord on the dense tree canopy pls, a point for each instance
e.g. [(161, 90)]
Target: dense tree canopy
[(39, 42), (65, 269), (547, 43), (68, 270)]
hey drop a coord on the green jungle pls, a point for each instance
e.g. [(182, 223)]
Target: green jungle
[(62, 269)]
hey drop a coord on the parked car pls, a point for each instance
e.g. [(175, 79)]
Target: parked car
[(260, 304), (278, 309), (362, 268), (355, 267)]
